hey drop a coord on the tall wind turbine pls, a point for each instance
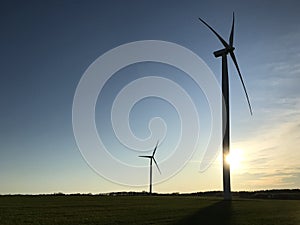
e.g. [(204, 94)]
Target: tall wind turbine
[(228, 49), (151, 157)]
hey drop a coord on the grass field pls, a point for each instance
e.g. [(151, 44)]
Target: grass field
[(77, 210)]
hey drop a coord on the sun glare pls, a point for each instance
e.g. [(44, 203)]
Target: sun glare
[(234, 159)]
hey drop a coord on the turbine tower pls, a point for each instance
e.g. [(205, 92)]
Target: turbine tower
[(228, 49), (151, 157)]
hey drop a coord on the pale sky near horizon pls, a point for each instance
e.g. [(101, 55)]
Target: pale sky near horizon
[(47, 46)]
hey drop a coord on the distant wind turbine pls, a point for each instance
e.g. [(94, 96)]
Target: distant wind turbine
[(151, 157), (225, 108)]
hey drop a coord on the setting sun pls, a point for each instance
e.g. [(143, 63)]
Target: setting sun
[(234, 158)]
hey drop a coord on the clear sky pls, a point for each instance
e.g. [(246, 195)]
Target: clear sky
[(47, 46)]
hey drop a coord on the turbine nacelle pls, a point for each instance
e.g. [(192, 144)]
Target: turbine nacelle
[(223, 51)]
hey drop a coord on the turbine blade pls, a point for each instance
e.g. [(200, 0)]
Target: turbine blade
[(219, 37), (232, 32), (241, 78), (155, 149), (156, 165), (145, 156)]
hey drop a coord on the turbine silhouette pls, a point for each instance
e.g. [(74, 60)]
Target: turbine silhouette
[(151, 157), (229, 49)]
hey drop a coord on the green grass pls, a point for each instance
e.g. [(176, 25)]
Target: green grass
[(77, 210)]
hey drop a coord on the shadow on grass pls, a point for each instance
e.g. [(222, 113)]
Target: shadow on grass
[(216, 214)]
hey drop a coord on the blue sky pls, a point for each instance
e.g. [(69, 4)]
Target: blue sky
[(47, 46)]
